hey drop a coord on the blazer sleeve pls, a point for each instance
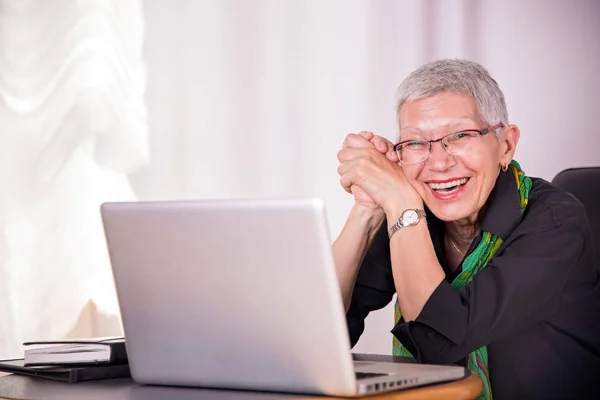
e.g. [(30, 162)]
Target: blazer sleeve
[(520, 286), (374, 287)]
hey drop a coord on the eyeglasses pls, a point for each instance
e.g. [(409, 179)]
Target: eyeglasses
[(458, 144)]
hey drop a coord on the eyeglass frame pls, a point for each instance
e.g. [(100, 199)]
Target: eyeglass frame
[(481, 133)]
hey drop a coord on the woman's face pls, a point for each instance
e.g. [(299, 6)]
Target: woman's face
[(454, 187)]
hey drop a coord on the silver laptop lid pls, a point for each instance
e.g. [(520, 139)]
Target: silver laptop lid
[(232, 294)]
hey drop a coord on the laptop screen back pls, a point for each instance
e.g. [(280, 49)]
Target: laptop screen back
[(232, 294)]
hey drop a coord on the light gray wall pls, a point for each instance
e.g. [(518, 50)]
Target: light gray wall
[(255, 100)]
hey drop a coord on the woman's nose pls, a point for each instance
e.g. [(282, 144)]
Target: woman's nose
[(439, 158)]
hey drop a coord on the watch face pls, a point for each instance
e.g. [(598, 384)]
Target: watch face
[(410, 217)]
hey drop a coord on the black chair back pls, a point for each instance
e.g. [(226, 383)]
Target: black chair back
[(584, 184)]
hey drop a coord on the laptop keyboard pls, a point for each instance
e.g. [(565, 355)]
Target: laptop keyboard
[(365, 375)]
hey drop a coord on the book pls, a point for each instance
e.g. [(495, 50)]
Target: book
[(70, 352), (70, 374)]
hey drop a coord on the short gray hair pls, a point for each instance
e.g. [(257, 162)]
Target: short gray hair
[(461, 76)]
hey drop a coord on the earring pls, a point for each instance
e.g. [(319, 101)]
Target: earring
[(504, 167)]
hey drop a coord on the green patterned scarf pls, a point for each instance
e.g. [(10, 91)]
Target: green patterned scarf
[(475, 262)]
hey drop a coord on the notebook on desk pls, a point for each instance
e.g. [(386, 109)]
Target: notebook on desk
[(70, 374), (243, 295), (81, 351)]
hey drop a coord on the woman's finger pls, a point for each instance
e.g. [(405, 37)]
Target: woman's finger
[(382, 144), (346, 166), (352, 153), (392, 155), (356, 140), (347, 182), (366, 135)]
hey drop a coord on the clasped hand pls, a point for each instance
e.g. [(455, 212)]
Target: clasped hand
[(369, 170)]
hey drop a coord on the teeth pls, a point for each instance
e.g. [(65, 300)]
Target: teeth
[(447, 185)]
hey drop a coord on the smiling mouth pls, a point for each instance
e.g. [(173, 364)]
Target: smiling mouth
[(448, 187)]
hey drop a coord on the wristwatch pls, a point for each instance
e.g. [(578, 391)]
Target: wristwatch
[(409, 217)]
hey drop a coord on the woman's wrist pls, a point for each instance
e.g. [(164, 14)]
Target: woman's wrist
[(368, 217)]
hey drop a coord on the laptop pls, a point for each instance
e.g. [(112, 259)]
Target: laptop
[(240, 294)]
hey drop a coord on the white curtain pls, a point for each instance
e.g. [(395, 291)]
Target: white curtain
[(73, 125), (238, 99)]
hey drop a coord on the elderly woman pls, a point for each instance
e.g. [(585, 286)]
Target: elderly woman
[(492, 269)]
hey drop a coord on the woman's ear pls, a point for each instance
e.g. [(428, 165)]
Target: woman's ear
[(508, 143)]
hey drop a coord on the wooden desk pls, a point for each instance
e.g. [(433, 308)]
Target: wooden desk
[(21, 387)]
